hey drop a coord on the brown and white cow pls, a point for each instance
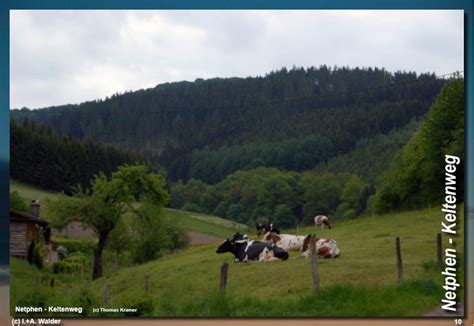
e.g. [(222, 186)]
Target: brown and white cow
[(288, 242), (326, 248), (321, 220)]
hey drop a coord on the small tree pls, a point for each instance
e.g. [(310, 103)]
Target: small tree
[(107, 200)]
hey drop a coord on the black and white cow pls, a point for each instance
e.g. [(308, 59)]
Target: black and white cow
[(245, 249), (264, 228)]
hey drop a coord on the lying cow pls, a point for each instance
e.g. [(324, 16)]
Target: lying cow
[(245, 249), (264, 228), (327, 248), (321, 221), (288, 242)]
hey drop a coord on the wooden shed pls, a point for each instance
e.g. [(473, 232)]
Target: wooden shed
[(25, 228)]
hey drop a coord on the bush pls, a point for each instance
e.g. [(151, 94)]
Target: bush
[(35, 254), (34, 299), (179, 238), (155, 234), (38, 258), (283, 216), (86, 301), (70, 264), (190, 207), (16, 202), (144, 306), (77, 246)]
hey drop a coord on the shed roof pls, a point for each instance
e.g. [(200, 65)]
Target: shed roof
[(26, 217)]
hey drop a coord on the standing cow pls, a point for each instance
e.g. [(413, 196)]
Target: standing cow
[(245, 249), (321, 220)]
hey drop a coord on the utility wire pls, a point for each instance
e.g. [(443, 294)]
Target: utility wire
[(235, 107)]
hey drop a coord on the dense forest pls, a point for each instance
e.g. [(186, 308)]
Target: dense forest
[(410, 162), (268, 194), (416, 176), (283, 147), (291, 119), (41, 158)]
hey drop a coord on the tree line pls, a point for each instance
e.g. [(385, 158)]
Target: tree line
[(416, 177), (41, 158), (291, 119), (409, 173), (267, 194)]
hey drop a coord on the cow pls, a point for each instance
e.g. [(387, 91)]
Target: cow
[(245, 249), (321, 221), (327, 248), (264, 228), (288, 242)]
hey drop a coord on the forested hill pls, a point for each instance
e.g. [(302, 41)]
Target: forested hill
[(290, 119), (40, 158)]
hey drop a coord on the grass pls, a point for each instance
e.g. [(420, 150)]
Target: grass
[(367, 265), (338, 300), (190, 221), (361, 282), (29, 193), (206, 224)]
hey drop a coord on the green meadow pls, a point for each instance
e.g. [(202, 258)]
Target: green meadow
[(361, 282), (207, 224)]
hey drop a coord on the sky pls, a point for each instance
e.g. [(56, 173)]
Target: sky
[(65, 57)]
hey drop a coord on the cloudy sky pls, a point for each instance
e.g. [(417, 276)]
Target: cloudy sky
[(60, 57)]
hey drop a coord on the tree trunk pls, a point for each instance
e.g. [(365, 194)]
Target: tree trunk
[(97, 269)]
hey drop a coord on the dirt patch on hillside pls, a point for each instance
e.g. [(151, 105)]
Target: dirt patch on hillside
[(76, 230), (198, 238)]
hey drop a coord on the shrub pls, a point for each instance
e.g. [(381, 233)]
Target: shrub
[(72, 263), (190, 207), (35, 254), (144, 306), (34, 299), (16, 202), (38, 257), (86, 301), (77, 246)]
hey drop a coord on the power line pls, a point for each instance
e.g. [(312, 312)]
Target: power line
[(284, 101)]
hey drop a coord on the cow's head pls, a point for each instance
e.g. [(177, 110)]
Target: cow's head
[(261, 228), (239, 238), (226, 246), (229, 245)]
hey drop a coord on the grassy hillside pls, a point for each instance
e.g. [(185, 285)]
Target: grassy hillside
[(361, 282), (206, 224), (29, 193)]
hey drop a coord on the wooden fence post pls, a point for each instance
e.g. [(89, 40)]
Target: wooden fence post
[(52, 283), (399, 261), (147, 283), (106, 293), (314, 263), (224, 269), (440, 254)]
